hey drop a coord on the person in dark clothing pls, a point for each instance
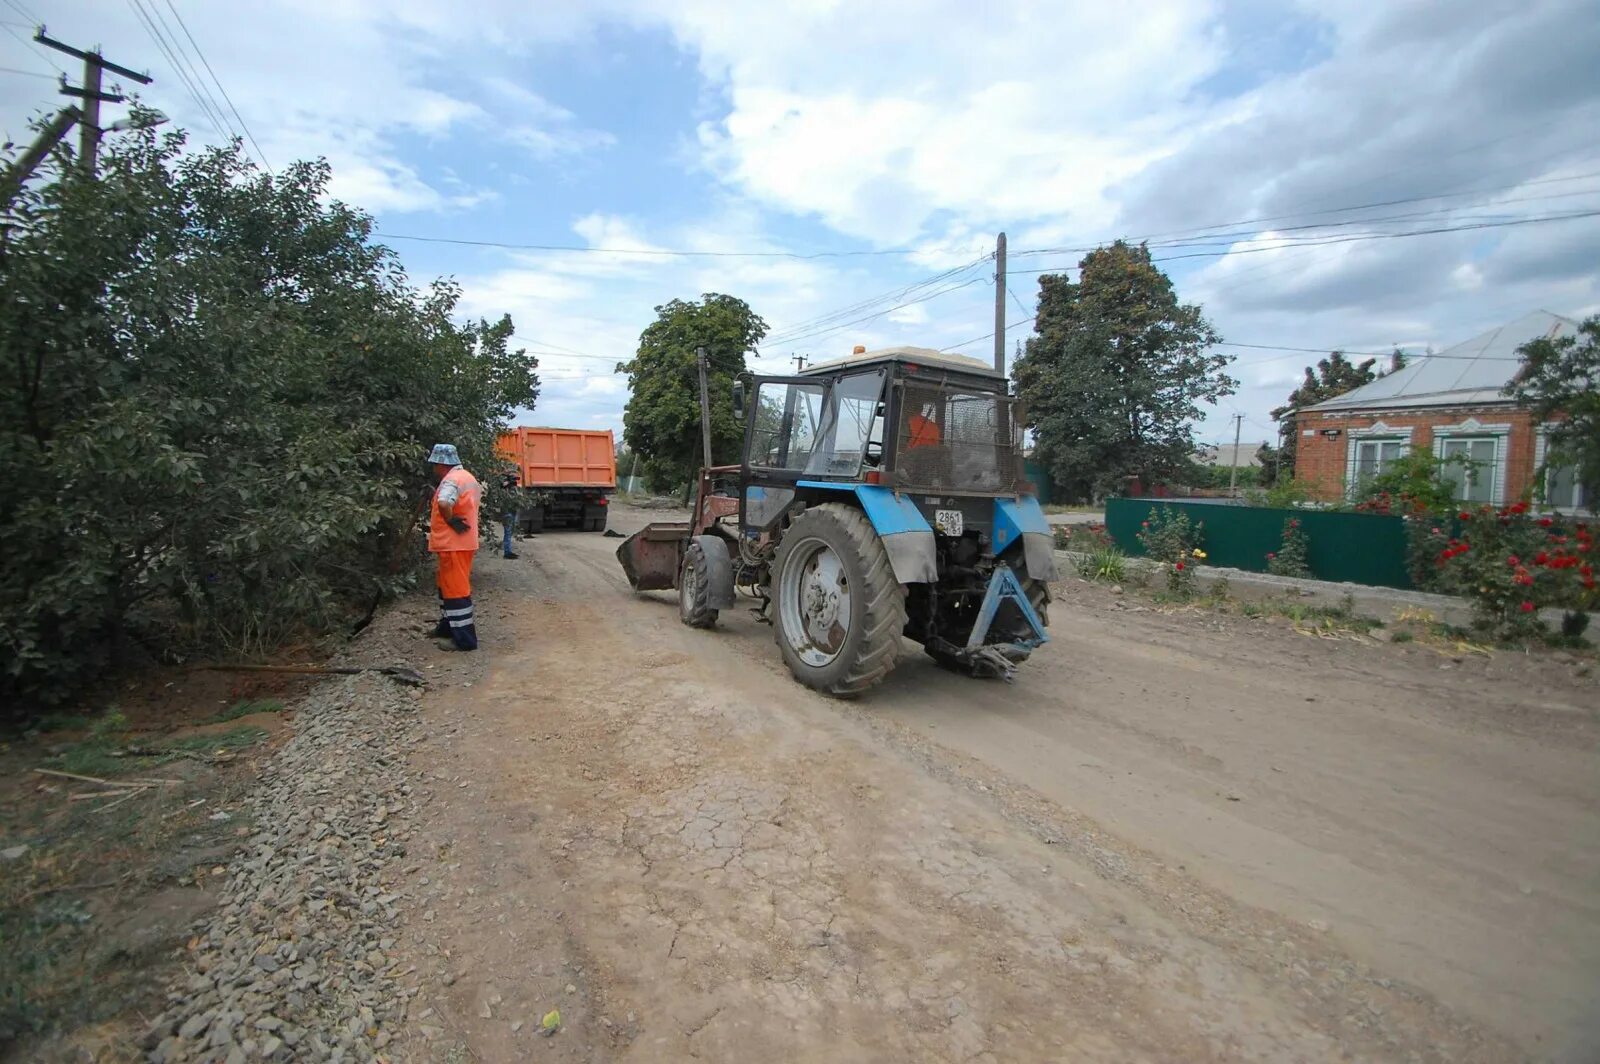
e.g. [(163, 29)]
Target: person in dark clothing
[(509, 519)]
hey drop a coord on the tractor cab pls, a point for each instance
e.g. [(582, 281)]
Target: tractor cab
[(937, 430), (877, 495)]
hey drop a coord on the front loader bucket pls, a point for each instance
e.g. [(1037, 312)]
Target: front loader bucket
[(653, 555)]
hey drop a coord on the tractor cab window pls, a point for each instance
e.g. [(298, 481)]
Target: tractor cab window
[(852, 428), (788, 418)]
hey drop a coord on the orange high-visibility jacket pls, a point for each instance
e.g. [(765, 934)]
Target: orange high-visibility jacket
[(463, 486), (924, 432)]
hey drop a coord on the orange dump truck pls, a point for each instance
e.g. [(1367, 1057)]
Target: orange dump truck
[(567, 476)]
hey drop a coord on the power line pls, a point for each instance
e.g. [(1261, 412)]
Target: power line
[(799, 328), (27, 73), (30, 46), (880, 313), (210, 116), (1356, 238), (990, 335), (33, 20), (650, 252), (1257, 221), (218, 81)]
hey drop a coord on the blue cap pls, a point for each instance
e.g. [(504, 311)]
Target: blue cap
[(444, 454)]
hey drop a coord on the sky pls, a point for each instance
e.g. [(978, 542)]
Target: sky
[(844, 168)]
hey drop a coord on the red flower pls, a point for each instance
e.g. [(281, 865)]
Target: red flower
[(1527, 607), (1545, 522), (1519, 508), (1513, 561), (1144, 524), (1589, 583), (1464, 515), (1271, 555), (1436, 532), (1180, 567), (1586, 570), (1541, 558)]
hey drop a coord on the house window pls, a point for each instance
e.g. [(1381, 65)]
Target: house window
[(1563, 491), (1374, 456), (1470, 465)]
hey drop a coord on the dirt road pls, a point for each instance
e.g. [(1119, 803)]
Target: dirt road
[(1176, 837)]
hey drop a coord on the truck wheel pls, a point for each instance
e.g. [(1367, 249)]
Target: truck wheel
[(840, 609), (694, 589)]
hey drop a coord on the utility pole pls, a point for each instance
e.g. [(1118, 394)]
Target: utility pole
[(18, 172), (94, 65), (799, 362), (705, 404), (1000, 305), (1233, 461)]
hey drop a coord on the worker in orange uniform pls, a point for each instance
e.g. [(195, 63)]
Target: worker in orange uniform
[(922, 430), (453, 538)]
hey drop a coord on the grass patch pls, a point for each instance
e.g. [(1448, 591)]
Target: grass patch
[(105, 754), (247, 707), (1402, 636), (58, 722)]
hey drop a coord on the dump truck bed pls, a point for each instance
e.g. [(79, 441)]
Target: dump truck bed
[(562, 458)]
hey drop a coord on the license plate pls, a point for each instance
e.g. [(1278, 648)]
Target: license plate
[(947, 522)]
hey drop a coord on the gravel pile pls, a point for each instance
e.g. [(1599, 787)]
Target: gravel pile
[(294, 964)]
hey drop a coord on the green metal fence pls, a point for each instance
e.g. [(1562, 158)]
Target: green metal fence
[(1355, 547)]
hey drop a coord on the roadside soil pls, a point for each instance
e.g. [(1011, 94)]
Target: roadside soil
[(100, 883), (1178, 836)]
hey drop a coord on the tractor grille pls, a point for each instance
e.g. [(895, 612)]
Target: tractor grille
[(951, 439)]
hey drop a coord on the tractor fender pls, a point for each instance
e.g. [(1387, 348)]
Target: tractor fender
[(719, 571), (1022, 519), (905, 533)]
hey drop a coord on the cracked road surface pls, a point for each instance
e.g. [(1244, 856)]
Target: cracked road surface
[(1152, 847)]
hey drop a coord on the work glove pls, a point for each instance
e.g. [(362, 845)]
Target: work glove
[(458, 523)]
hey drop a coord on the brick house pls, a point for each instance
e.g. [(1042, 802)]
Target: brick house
[(1451, 405)]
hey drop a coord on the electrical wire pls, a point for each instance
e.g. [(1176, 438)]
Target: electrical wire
[(160, 42), (27, 73), (1356, 238), (650, 252), (220, 87), (33, 47)]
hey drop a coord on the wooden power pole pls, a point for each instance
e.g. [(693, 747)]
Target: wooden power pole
[(705, 404), (94, 65), (1233, 461), (1000, 305)]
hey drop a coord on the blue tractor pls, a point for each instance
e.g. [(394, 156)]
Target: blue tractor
[(879, 496)]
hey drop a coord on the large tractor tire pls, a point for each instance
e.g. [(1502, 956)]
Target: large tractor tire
[(694, 588), (839, 610)]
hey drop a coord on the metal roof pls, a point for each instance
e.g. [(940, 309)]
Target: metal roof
[(1472, 373), (922, 355)]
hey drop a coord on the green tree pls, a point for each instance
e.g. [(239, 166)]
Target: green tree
[(1114, 373), (216, 395), (1560, 382), (1331, 377), (662, 419)]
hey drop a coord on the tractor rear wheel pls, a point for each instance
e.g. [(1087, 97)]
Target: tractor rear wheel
[(840, 610), (694, 589)]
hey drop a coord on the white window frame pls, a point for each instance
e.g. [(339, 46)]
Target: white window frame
[(1541, 444), (1473, 429), (1377, 432)]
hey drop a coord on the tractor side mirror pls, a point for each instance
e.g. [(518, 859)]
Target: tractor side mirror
[(738, 400)]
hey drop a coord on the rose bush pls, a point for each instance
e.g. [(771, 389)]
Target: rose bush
[(1511, 564)]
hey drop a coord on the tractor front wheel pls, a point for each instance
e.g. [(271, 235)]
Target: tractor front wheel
[(694, 589), (839, 608)]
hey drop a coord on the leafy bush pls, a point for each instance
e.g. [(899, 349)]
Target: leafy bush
[(1284, 493), (1511, 564), (216, 399), (1415, 483), (1290, 557), (1107, 564), (1168, 535)]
